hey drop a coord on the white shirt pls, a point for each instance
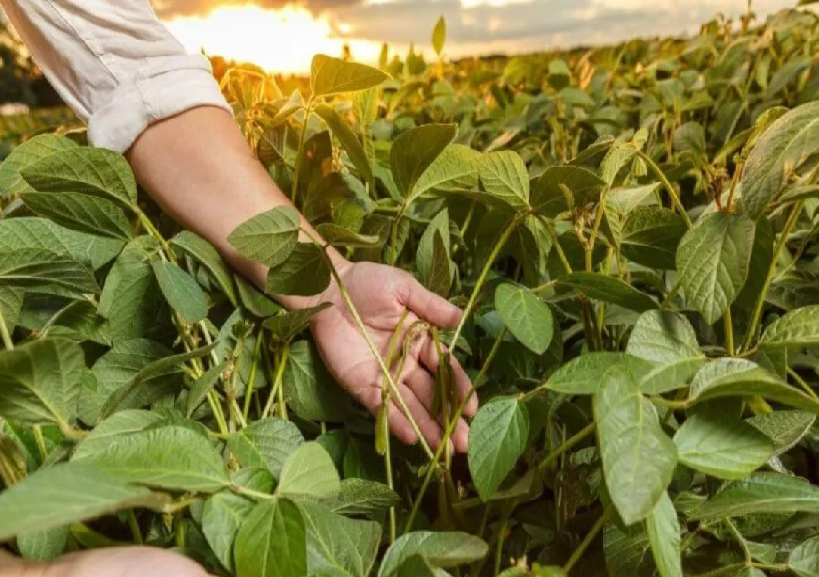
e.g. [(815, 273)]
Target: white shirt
[(114, 64)]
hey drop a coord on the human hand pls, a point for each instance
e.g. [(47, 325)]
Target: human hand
[(111, 562), (381, 294)]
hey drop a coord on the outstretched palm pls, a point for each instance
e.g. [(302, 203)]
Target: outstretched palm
[(381, 294)]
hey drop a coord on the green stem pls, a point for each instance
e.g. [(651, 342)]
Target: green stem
[(561, 255), (502, 538), (154, 232), (473, 298), (741, 540), (567, 445), (489, 358), (216, 409), (672, 192), (136, 532), (300, 152), (669, 298), (39, 440), (587, 540), (252, 381), (728, 323), (277, 381), (805, 386), (4, 331), (781, 242), (252, 493)]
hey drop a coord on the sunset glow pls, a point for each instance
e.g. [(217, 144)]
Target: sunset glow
[(282, 40)]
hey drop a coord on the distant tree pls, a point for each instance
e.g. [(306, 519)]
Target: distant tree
[(20, 78)]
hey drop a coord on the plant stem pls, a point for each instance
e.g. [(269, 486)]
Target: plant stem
[(154, 232), (741, 540), (136, 532), (781, 242), (4, 331), (252, 493), (277, 381), (587, 540), (801, 382), (728, 323), (567, 445), (502, 537), (300, 151), (39, 440), (598, 218), (672, 192), (487, 363), (473, 298), (252, 380)]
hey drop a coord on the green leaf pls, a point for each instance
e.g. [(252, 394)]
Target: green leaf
[(586, 374), (304, 273), (122, 423), (425, 257), (310, 390), (784, 428), (63, 494), (730, 377), (285, 326), (40, 381), (82, 212), (526, 316), (716, 442), (414, 151), (663, 528), (663, 337), (438, 549), (504, 177), (361, 497), (456, 165), (671, 376), (44, 272), (337, 545), (266, 443), (95, 171), (26, 154), (497, 439), (43, 546), (269, 237), (785, 145), (181, 290), (440, 279), (800, 327), (39, 233), (172, 457), (712, 261), (560, 188), (222, 517), (627, 551), (309, 471), (439, 36), (804, 559), (11, 305), (198, 248), (119, 366), (638, 457), (131, 300), (157, 369), (761, 493), (272, 542), (348, 140), (690, 137), (202, 386), (609, 289), (332, 76), (650, 236)]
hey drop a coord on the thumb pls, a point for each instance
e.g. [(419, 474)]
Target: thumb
[(428, 306)]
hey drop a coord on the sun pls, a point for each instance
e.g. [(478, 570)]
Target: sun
[(281, 40)]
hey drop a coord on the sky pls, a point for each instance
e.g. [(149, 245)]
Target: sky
[(283, 37)]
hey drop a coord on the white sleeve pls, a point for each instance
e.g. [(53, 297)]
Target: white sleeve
[(114, 63)]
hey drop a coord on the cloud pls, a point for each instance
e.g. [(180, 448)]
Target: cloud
[(483, 26)]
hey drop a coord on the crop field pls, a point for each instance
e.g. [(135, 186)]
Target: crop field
[(631, 232)]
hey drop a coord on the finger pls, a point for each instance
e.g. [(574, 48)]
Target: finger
[(429, 427), (429, 307), (460, 436), (8, 561), (428, 355), (399, 424), (420, 383)]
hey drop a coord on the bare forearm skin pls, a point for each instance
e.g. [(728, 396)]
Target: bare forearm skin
[(198, 167)]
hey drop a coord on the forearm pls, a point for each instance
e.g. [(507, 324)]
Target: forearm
[(198, 167)]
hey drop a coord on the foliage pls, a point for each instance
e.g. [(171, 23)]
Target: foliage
[(630, 230)]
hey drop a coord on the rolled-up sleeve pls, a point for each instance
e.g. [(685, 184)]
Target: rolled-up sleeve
[(114, 63)]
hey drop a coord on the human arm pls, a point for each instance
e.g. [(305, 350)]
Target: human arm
[(124, 74)]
